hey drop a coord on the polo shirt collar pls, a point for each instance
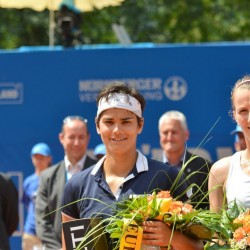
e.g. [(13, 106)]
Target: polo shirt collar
[(141, 165)]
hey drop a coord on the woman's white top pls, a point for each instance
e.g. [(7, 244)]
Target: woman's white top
[(238, 183)]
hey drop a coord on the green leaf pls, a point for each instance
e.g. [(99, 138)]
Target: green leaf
[(218, 247)]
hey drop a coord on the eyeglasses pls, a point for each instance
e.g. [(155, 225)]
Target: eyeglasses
[(73, 118)]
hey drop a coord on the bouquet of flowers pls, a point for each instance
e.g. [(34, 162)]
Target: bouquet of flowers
[(241, 236), (235, 221), (158, 206), (124, 226)]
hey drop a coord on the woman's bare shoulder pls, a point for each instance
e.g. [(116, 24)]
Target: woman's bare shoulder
[(221, 166)]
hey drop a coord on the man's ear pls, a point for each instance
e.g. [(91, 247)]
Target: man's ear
[(60, 136), (141, 123), (97, 126), (187, 133)]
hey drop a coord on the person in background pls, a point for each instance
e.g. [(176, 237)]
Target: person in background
[(239, 142), (229, 178), (100, 151), (174, 134), (9, 216), (74, 138), (123, 171), (41, 159)]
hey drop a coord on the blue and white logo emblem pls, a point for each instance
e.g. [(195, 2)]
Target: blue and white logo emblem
[(175, 88), (11, 93)]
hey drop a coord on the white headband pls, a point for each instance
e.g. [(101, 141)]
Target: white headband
[(122, 101)]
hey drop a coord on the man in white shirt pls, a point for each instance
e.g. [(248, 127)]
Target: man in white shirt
[(74, 138)]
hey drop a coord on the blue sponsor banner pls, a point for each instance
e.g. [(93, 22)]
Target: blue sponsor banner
[(39, 87)]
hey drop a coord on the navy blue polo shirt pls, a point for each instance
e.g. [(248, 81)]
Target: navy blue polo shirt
[(95, 198)]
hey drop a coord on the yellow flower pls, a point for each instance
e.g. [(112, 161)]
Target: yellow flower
[(163, 205)]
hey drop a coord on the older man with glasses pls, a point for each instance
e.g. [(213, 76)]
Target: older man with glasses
[(74, 138)]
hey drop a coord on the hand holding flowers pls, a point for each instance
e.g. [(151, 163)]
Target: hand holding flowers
[(141, 210)]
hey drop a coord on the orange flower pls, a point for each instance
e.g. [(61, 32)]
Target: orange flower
[(187, 208), (247, 228), (163, 194), (248, 241), (176, 207), (239, 234)]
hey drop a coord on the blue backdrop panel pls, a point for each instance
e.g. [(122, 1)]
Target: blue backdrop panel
[(38, 88)]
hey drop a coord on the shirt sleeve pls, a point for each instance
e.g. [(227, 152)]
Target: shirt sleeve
[(69, 201)]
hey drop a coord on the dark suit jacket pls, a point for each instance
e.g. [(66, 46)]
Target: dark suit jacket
[(49, 197), (196, 172), (8, 210)]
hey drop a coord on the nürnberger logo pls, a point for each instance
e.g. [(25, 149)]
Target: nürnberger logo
[(175, 88)]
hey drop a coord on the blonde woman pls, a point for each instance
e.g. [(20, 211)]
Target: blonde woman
[(229, 178)]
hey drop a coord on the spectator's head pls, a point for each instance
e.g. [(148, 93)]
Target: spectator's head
[(100, 151), (41, 156), (173, 132), (74, 137), (239, 141)]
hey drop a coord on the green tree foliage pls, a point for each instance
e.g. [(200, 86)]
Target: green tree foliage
[(156, 21), (23, 28)]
